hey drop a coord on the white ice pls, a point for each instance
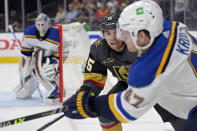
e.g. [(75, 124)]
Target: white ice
[(151, 121)]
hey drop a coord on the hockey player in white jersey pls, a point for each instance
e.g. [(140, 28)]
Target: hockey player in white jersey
[(165, 73), (39, 60)]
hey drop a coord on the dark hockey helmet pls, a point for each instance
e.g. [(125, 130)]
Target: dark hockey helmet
[(109, 21)]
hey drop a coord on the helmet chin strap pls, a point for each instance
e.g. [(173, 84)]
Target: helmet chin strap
[(140, 49), (139, 53)]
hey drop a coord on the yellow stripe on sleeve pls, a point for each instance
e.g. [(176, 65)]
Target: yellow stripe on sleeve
[(167, 51), (27, 50), (30, 36), (52, 41), (114, 110)]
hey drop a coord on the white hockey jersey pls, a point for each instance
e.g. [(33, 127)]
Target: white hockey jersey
[(166, 74)]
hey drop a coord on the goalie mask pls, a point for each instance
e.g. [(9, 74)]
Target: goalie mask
[(43, 23), (141, 15)]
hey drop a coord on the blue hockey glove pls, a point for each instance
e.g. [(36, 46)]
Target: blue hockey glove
[(78, 106)]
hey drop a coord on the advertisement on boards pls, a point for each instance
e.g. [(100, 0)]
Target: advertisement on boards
[(10, 50)]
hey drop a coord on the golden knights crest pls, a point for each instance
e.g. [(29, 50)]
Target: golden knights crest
[(121, 72), (98, 43)]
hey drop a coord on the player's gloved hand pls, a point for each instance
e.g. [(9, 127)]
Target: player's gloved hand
[(49, 70), (78, 106)]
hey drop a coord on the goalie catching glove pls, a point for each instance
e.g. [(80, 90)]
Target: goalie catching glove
[(78, 106), (50, 69)]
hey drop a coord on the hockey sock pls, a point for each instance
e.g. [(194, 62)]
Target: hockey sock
[(114, 127)]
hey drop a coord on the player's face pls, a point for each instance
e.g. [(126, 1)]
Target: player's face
[(126, 37), (143, 39), (113, 41), (42, 28)]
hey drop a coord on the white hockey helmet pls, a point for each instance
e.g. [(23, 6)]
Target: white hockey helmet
[(141, 15), (43, 23)]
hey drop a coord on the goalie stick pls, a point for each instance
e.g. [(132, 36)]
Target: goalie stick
[(32, 117)]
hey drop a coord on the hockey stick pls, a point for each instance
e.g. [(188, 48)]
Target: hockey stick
[(50, 123), (32, 74), (32, 117)]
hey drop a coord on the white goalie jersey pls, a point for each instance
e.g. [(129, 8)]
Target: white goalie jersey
[(32, 40), (166, 74)]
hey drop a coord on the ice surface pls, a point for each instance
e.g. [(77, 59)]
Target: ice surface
[(151, 121)]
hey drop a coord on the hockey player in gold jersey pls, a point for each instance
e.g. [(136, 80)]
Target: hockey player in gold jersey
[(107, 53)]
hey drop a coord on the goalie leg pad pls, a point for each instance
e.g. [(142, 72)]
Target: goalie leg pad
[(25, 68), (26, 87), (46, 69), (25, 91)]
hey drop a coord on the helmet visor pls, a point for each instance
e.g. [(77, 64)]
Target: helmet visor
[(122, 34)]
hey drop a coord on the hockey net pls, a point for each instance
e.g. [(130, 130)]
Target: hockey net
[(73, 52)]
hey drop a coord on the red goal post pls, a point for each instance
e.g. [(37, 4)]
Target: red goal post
[(61, 82), (73, 39)]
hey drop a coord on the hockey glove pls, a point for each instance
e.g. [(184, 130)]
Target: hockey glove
[(78, 106), (50, 69)]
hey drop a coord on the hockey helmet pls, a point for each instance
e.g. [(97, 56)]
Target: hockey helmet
[(43, 23), (109, 21), (141, 15)]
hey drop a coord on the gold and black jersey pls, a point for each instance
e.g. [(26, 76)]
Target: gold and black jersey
[(101, 58)]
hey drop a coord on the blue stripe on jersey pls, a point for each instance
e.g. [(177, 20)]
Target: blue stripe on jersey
[(193, 61), (114, 109), (119, 105), (191, 111), (194, 40)]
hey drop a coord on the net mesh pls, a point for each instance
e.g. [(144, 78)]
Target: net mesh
[(73, 52)]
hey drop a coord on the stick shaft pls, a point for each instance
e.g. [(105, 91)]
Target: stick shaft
[(32, 117), (11, 29), (50, 123)]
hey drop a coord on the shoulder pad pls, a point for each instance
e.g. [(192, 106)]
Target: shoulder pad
[(31, 30), (53, 35)]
